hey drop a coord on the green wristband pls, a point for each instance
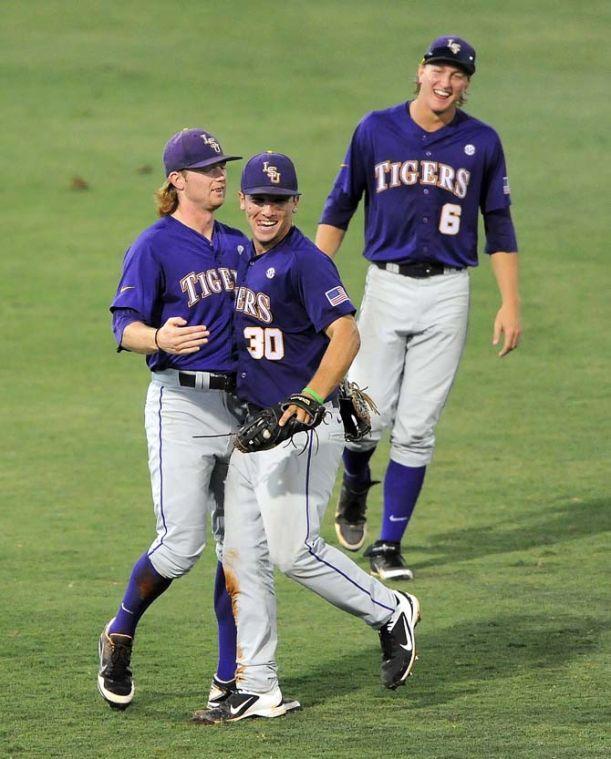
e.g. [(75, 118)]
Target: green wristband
[(313, 394)]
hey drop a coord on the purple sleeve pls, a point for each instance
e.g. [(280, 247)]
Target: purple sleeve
[(320, 288), (350, 183), (495, 193), (121, 317), (500, 233), (141, 283)]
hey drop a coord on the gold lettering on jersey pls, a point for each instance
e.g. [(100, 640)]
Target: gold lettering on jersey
[(203, 283), (428, 172), (257, 305), (409, 172), (227, 279), (214, 281), (462, 182), (392, 174), (187, 285), (200, 285), (380, 171), (272, 172), (445, 179)]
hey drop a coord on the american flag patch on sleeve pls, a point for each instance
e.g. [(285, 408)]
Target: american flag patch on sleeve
[(336, 296)]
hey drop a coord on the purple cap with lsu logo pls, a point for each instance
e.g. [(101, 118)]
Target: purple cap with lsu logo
[(193, 149), (270, 174), (451, 50)]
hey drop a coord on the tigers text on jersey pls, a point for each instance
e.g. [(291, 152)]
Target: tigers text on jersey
[(285, 299), (172, 270), (422, 189)]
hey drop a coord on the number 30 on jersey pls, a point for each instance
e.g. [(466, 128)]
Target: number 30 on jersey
[(265, 342)]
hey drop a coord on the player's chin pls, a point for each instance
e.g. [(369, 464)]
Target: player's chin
[(439, 107), (217, 198)]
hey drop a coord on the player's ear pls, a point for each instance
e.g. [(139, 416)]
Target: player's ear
[(242, 199), (420, 73), (295, 203), (177, 179)]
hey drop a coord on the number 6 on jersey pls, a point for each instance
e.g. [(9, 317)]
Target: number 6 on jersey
[(265, 342), (449, 223)]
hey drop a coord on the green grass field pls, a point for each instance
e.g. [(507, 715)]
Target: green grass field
[(510, 539)]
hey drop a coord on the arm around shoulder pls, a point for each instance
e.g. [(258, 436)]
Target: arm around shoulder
[(139, 338)]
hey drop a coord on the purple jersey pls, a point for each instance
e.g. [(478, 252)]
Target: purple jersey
[(285, 299), (172, 270), (422, 189)]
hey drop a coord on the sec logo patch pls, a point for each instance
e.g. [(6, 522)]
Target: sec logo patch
[(470, 149), (270, 273)]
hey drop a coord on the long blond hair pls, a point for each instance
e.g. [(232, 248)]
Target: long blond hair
[(166, 199)]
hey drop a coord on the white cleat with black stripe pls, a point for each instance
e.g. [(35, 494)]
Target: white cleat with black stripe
[(219, 692), (241, 705), (398, 641)]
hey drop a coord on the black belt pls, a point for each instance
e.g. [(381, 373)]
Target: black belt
[(416, 269), (216, 381)]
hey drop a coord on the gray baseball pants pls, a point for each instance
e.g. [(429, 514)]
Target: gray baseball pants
[(274, 504), (413, 333)]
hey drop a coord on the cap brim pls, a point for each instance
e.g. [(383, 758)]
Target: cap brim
[(466, 67), (281, 191), (213, 161)]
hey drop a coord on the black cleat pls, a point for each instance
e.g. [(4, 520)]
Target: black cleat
[(386, 562), (219, 692), (241, 705), (398, 641), (115, 676), (350, 516)]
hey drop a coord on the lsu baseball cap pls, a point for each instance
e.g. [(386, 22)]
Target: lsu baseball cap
[(452, 50), (193, 149), (270, 173)]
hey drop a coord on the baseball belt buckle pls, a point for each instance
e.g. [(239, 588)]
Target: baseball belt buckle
[(393, 268)]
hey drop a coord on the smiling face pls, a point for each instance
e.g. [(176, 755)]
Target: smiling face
[(202, 188), (270, 218), (442, 86)]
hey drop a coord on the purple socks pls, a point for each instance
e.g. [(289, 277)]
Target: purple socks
[(402, 486), (356, 468), (145, 585), (226, 667)]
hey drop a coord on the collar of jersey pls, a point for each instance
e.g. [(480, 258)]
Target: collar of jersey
[(289, 241), (198, 235)]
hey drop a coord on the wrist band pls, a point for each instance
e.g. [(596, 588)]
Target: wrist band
[(156, 343), (313, 394)]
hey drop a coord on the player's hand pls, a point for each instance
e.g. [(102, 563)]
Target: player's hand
[(507, 324), (175, 338), (300, 414)]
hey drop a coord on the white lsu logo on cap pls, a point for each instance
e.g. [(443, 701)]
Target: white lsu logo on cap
[(454, 46), (272, 172), (211, 142)]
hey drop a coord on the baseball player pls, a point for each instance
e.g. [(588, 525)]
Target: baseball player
[(175, 291), (296, 338), (425, 168)]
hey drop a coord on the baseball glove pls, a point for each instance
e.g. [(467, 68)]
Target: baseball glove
[(355, 407), (262, 430)]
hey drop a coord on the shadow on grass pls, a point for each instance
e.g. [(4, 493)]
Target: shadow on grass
[(460, 659), (571, 521)]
